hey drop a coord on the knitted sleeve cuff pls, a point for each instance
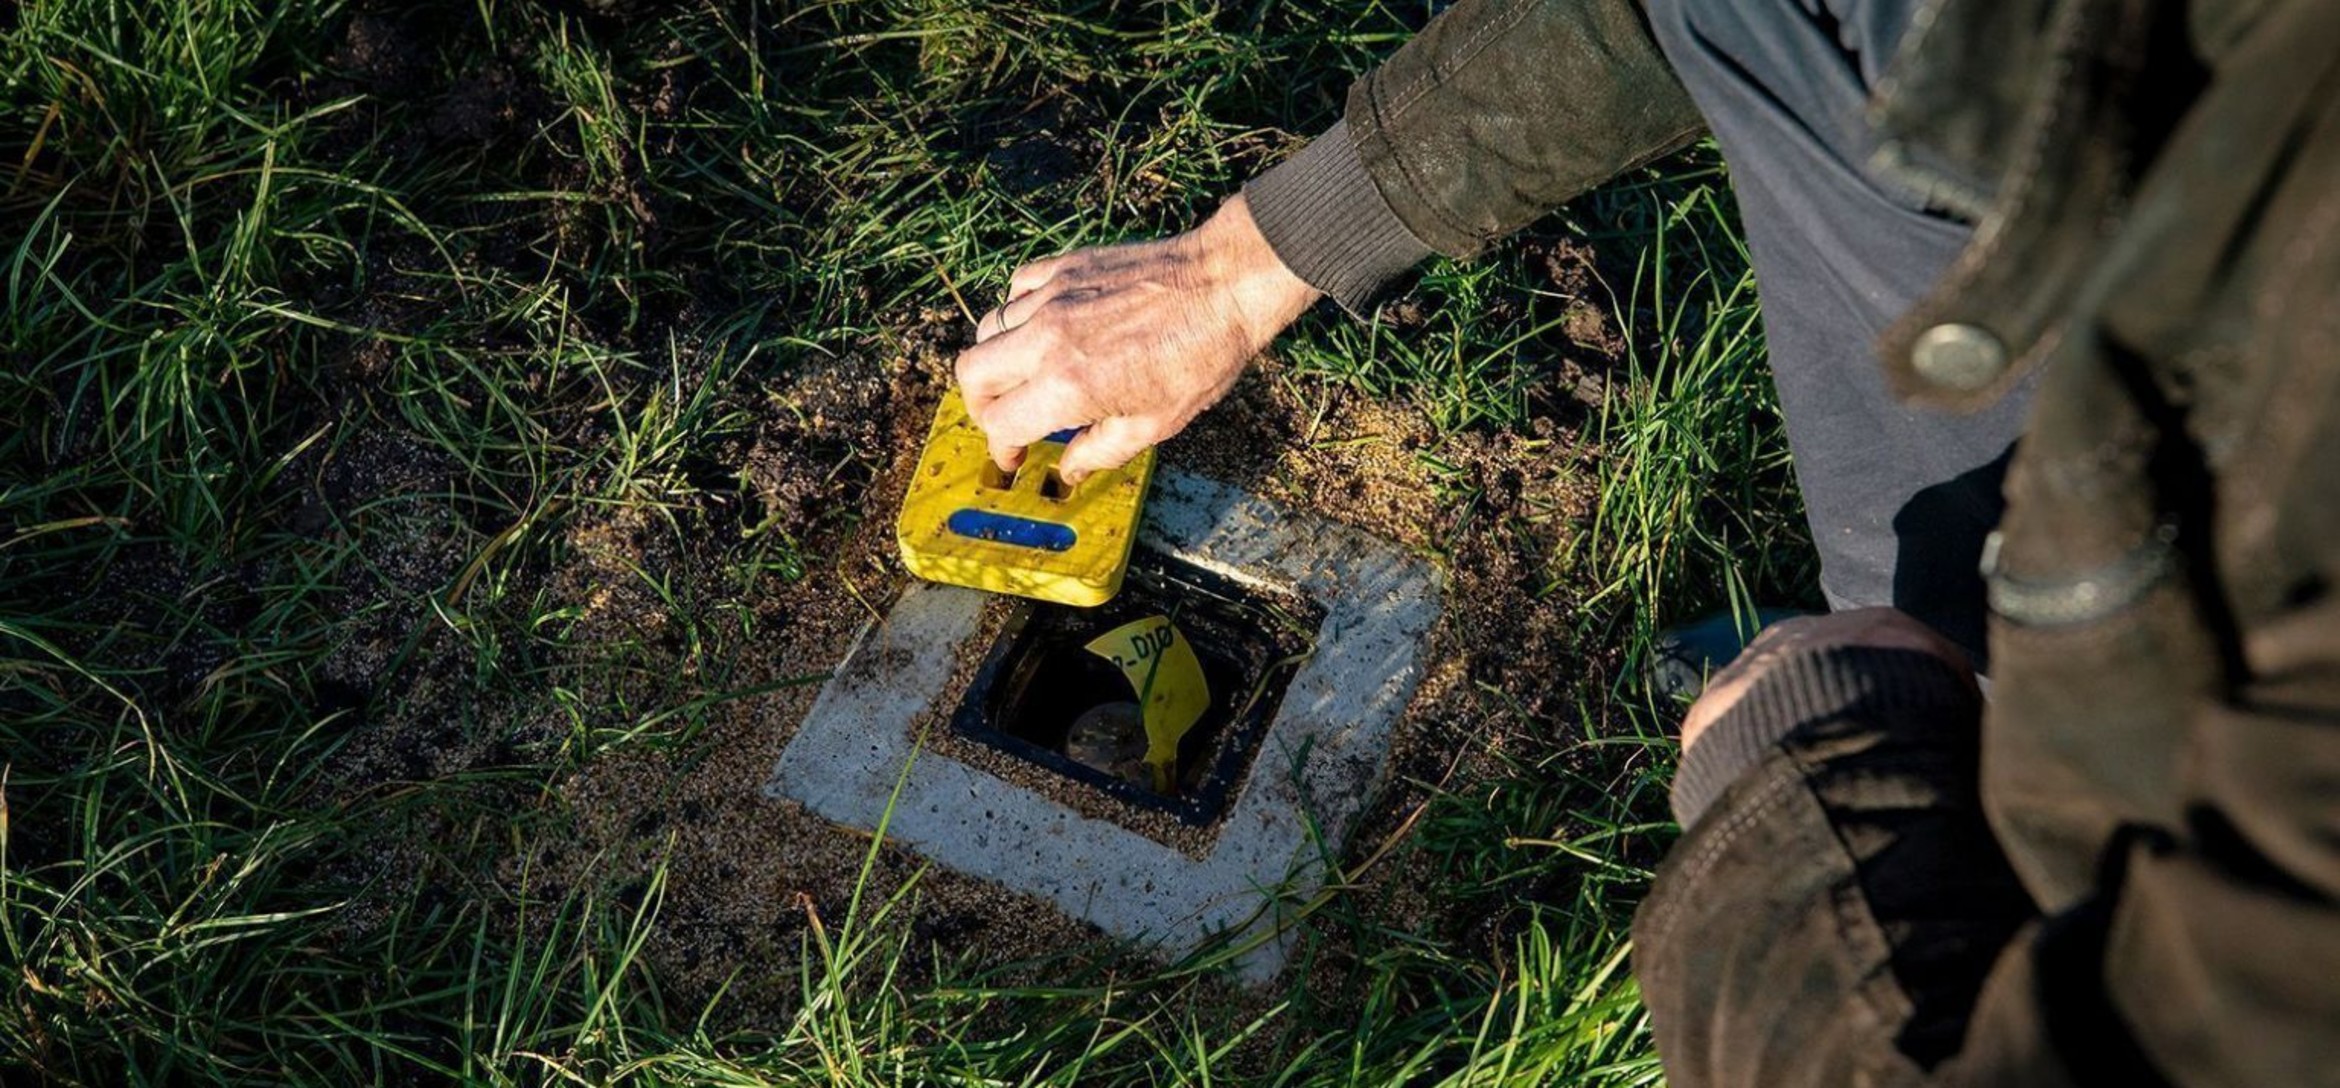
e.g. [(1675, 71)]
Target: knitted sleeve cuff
[(1885, 689), (1328, 222)]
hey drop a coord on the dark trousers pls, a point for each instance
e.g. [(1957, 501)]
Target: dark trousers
[(1899, 498)]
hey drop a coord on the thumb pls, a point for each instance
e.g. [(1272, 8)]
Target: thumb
[(1108, 443)]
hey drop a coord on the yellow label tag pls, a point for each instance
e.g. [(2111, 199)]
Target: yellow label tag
[(1168, 678)]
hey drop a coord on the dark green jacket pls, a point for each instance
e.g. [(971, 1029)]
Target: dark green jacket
[(2137, 879)]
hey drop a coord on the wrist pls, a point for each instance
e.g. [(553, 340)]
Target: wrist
[(1265, 293), (1325, 216)]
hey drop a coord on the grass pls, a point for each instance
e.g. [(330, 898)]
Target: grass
[(334, 337)]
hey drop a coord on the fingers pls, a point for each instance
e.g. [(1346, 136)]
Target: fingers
[(1108, 443), (1027, 279), (1880, 628), (1014, 315), (1030, 412), (1003, 368), (994, 366)]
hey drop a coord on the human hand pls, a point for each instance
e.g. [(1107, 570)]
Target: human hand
[(1884, 628), (1131, 341)]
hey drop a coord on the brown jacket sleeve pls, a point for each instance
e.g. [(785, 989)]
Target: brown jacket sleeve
[(1496, 113)]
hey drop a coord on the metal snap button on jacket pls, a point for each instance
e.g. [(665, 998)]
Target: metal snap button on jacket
[(1961, 357)]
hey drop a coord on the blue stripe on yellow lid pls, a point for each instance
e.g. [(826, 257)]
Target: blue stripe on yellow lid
[(1010, 529)]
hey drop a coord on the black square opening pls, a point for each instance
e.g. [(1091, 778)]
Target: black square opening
[(1038, 682)]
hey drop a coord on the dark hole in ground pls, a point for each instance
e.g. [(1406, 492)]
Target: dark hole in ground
[(1040, 695)]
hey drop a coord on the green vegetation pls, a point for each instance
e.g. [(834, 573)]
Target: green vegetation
[(339, 338)]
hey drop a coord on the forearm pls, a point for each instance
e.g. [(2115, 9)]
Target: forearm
[(1499, 111)]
